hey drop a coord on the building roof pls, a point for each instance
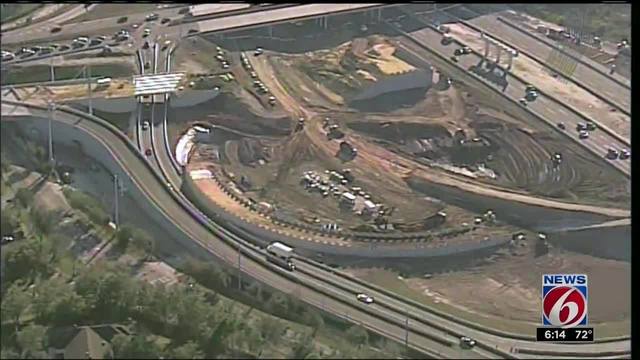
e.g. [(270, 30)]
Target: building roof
[(87, 344)]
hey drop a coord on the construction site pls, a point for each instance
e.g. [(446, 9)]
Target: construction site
[(361, 140)]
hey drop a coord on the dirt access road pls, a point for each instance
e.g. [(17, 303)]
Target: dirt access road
[(396, 165)]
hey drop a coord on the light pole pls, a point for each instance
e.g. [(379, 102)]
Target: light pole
[(239, 273), (53, 75), (116, 194), (52, 107), (88, 76)]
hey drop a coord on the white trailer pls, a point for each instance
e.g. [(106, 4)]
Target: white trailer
[(280, 254)]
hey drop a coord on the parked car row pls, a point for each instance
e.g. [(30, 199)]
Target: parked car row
[(261, 88)]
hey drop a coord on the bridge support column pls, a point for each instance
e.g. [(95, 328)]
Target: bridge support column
[(486, 47), (510, 53), (379, 14), (270, 31), (499, 50)]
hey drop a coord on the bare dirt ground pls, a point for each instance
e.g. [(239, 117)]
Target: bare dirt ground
[(117, 88), (534, 73), (507, 293), (381, 161), (50, 197)]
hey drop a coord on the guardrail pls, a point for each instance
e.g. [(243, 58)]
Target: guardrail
[(544, 41), (260, 259), (575, 81), (56, 53), (49, 83), (444, 329), (210, 225), (484, 83)]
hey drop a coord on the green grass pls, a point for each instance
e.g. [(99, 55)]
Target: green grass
[(37, 73), (11, 12), (102, 11)]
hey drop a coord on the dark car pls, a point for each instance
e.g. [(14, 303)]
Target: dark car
[(454, 59), (147, 152), (612, 154), (55, 29), (192, 31), (165, 21), (458, 52), (591, 126), (122, 20), (561, 126), (145, 45)]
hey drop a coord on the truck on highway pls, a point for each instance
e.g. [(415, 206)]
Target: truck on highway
[(280, 254)]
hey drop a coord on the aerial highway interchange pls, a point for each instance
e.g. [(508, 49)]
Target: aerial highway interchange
[(148, 166)]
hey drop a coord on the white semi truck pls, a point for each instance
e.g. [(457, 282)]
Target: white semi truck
[(280, 254)]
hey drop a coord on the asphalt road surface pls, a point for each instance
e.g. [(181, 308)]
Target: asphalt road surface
[(156, 193), (598, 141), (594, 80), (393, 310)]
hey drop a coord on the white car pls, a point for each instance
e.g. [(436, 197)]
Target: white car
[(365, 298), (467, 342)]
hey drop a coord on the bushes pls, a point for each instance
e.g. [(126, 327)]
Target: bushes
[(85, 203)]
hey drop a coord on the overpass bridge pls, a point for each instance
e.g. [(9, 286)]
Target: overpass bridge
[(280, 15)]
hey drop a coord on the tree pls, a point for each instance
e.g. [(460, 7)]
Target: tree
[(303, 347), (190, 350), (24, 197), (109, 291), (357, 335), (278, 303), (255, 290), (143, 241), (32, 340), (134, 347), (314, 319), (43, 221), (58, 303), (123, 237), (14, 302), (270, 328), (26, 261), (9, 353), (4, 162), (10, 221)]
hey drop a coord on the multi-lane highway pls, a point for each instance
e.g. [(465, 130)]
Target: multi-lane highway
[(316, 284), (424, 42), (616, 92), (86, 28)]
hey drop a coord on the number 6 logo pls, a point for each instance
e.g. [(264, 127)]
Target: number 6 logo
[(564, 306)]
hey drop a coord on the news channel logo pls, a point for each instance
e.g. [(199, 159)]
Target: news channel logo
[(564, 300)]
